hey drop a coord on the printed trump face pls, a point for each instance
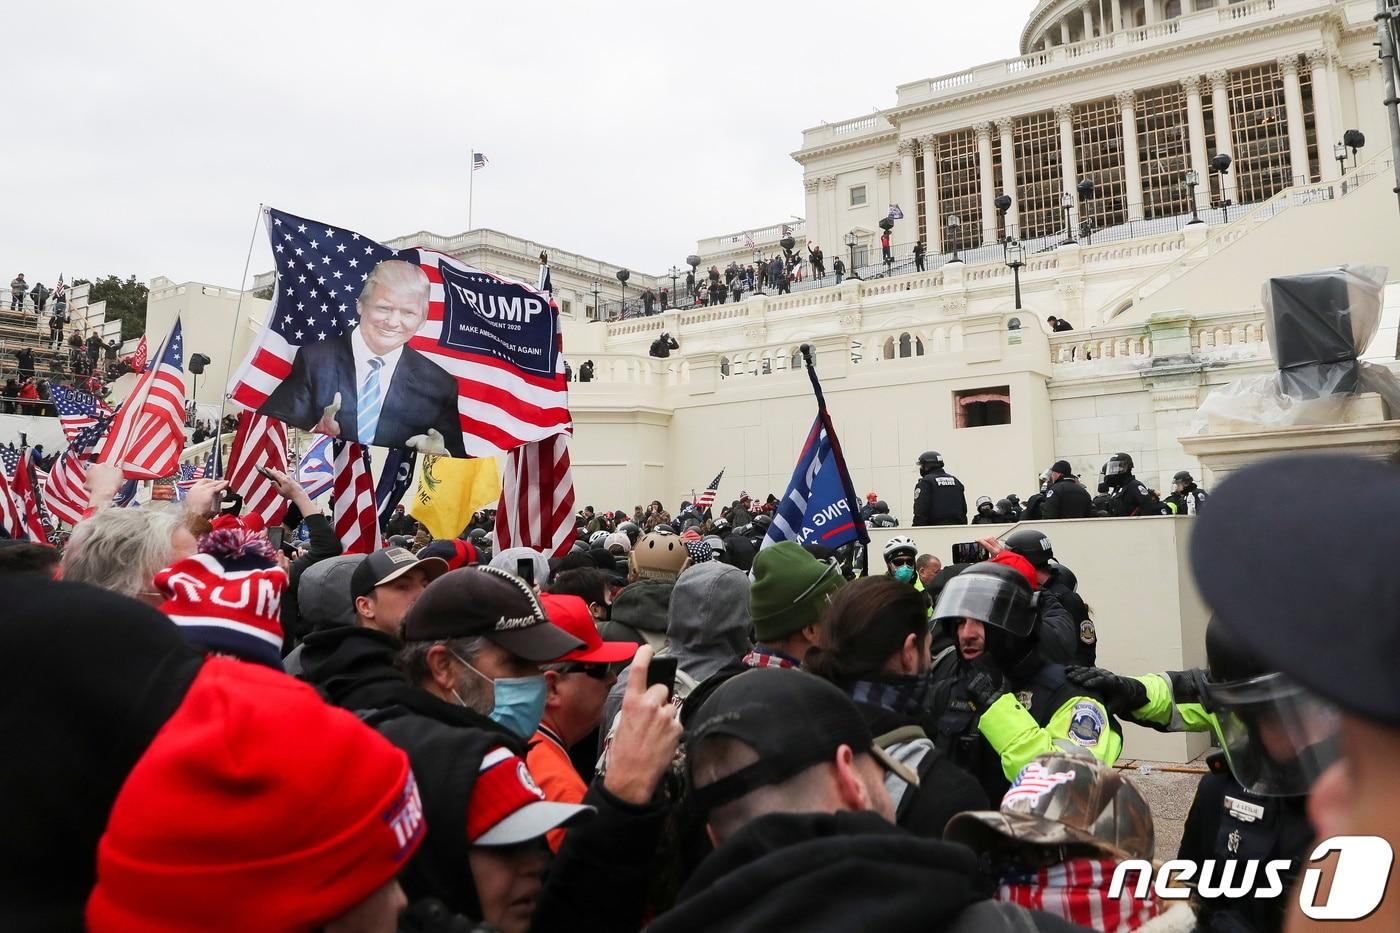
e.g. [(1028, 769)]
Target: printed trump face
[(393, 305)]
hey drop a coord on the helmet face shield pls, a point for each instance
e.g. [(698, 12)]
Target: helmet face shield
[(1278, 737), (988, 600), (1117, 467)]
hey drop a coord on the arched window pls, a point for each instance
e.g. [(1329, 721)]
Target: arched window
[(918, 346), (906, 347), (889, 348), (767, 364), (723, 366), (797, 362), (1171, 9)]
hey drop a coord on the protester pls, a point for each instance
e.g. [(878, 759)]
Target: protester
[(791, 593), (18, 557), (641, 609)]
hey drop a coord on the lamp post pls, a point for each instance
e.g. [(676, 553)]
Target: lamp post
[(1354, 140), (675, 273), (851, 241), (1220, 164), (1339, 152), (1086, 223), (597, 308), (622, 276), (1193, 178), (1003, 204), (1014, 255), (1066, 204), (954, 231)]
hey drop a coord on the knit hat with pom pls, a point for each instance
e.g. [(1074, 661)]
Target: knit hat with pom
[(227, 599)]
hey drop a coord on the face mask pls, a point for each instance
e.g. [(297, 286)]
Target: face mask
[(904, 573), (519, 701)]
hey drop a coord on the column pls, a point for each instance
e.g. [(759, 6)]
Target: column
[(1132, 166), (816, 227), (1117, 15), (1150, 12), (1064, 30), (1297, 132), (833, 214), (909, 188), (882, 188), (987, 184), (1008, 174), (1088, 21), (1220, 116), (932, 194), (1064, 114), (1367, 88), (1323, 115), (1196, 130)]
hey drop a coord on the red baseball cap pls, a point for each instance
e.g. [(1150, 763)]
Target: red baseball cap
[(571, 614), (507, 807)]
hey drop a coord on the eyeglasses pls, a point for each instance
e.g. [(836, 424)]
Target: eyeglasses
[(594, 670), (899, 560)]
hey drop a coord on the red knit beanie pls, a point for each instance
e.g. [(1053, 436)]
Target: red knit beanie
[(227, 599), (1019, 564), (256, 807)]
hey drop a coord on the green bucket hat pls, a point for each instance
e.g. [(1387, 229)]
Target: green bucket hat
[(791, 589)]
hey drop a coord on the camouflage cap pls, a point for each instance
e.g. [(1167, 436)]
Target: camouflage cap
[(1059, 800)]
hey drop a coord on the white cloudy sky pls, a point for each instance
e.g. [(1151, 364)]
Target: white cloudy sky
[(140, 137)]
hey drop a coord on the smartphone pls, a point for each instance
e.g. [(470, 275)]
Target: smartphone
[(663, 671), (969, 552), (274, 534), (525, 570), (266, 472)]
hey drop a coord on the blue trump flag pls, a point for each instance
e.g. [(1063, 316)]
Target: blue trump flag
[(820, 505)]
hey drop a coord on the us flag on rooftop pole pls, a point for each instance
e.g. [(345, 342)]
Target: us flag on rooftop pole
[(355, 517), (146, 437), (259, 442), (706, 499)]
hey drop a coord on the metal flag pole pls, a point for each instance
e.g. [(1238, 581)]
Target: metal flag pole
[(233, 338), (471, 184), (1385, 28)]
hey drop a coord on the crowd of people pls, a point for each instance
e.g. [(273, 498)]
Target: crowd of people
[(674, 726), (82, 359)]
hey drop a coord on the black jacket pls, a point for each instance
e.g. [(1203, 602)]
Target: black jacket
[(1132, 499), (1066, 498), (420, 396), (323, 544), (1086, 650), (939, 499), (839, 872)]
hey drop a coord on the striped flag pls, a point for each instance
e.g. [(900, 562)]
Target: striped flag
[(316, 471), (499, 339), (146, 438), (60, 290), (478, 161), (394, 480), (537, 499), (76, 410), (355, 519), (137, 360), (1033, 783), (896, 213), (706, 499), (260, 442), (191, 473), (19, 505), (64, 493)]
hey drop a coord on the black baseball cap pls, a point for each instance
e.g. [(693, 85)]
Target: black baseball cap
[(379, 567), (792, 719), (1061, 466), (1338, 633), (492, 603)]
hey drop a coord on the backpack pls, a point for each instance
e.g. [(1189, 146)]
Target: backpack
[(909, 745)]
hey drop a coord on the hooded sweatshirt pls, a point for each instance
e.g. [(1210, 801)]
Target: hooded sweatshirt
[(707, 625), (323, 596), (639, 613), (780, 871), (90, 678)]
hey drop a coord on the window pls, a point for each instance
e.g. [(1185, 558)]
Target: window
[(566, 306), (857, 196), (980, 408), (1259, 131), (1039, 175), (723, 366), (959, 189), (1163, 153), (1098, 146)]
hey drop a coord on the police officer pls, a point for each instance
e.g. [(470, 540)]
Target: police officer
[(739, 550), (986, 514), (1065, 496), (662, 346), (1127, 496), (997, 703), (1186, 497), (1057, 580), (938, 497)]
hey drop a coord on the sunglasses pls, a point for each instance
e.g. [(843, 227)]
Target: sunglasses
[(596, 671), (901, 561)]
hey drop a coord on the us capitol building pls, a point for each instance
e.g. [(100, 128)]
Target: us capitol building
[(991, 166)]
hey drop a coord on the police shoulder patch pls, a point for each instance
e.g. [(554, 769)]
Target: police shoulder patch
[(1049, 493), (1087, 633), (1086, 723), (1142, 489), (1025, 697)]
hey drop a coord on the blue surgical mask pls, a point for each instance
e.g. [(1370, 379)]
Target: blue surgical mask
[(519, 701), (904, 573)]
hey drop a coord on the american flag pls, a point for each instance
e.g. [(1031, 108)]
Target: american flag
[(478, 161), (748, 240), (64, 493), (190, 473), (706, 499), (76, 410), (896, 213), (137, 360), (260, 442), (537, 499), (1033, 783), (146, 438), (60, 289), (19, 505), (505, 399), (355, 519)]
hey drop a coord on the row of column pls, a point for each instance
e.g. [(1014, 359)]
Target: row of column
[(1216, 83)]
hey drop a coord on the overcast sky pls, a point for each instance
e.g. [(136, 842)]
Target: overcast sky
[(140, 137)]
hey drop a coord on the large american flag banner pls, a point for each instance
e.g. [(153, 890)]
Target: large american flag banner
[(148, 434), (76, 410), (260, 442), (64, 492), (537, 499), (355, 517), (499, 339), (19, 505), (706, 499)]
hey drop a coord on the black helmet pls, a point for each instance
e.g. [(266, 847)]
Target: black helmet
[(762, 521), (631, 530), (477, 535), (1226, 659), (1119, 463), (1001, 599), (1030, 544), (1182, 476), (930, 460), (881, 507), (883, 520)]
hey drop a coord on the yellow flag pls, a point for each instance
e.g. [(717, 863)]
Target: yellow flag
[(450, 489)]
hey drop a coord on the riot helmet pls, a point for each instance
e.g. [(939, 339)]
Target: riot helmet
[(1000, 598), (1118, 469), (1030, 544), (1181, 480), (984, 505), (930, 460)]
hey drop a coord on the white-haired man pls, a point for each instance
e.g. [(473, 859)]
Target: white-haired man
[(367, 384)]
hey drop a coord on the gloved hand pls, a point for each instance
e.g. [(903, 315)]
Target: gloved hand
[(1187, 686), (985, 683), (430, 443), (1121, 694)]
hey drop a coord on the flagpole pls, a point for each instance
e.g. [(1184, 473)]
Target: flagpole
[(232, 340), (810, 358), (471, 183)]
